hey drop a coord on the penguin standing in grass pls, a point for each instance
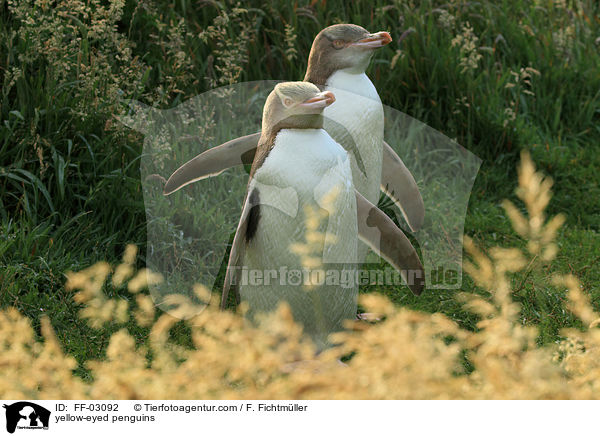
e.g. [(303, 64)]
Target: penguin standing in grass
[(337, 62), (296, 155)]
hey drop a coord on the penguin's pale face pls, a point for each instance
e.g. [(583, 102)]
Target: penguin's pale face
[(347, 46), (301, 98), (295, 105)]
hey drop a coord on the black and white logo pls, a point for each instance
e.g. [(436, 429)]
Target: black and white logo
[(26, 415)]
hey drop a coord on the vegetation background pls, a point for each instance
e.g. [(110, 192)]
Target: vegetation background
[(500, 77)]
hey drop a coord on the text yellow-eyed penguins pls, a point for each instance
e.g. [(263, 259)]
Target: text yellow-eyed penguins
[(294, 152), (338, 59)]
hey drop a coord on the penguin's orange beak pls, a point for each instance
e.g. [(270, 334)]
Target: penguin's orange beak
[(321, 100), (374, 40)]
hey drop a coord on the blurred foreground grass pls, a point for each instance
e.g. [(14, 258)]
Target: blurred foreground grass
[(408, 355)]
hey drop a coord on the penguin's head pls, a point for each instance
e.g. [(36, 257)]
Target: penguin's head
[(342, 47), (295, 105)]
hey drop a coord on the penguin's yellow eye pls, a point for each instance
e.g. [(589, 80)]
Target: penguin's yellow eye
[(288, 102), (339, 43)]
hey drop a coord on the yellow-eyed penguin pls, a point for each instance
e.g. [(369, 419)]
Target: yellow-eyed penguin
[(338, 59), (295, 152)]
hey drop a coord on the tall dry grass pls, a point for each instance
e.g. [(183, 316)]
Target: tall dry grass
[(408, 355)]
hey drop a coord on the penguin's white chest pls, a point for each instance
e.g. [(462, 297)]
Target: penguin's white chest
[(306, 167), (356, 119)]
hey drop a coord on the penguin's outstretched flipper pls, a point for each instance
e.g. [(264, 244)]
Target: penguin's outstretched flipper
[(239, 151), (379, 232), (398, 183)]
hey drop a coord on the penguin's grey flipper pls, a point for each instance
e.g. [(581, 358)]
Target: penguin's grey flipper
[(379, 232), (399, 184), (245, 230), (214, 161)]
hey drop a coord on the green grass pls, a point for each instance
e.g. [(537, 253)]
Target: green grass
[(70, 190)]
